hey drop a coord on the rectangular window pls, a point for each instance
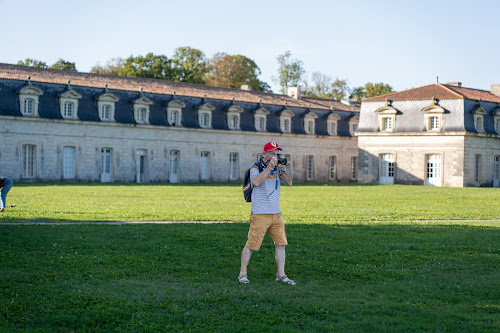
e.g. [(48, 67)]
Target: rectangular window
[(205, 120), (433, 123), (141, 115), (333, 128), (477, 168), (286, 125), (497, 125), (310, 167), (106, 112), (386, 123), (234, 122), (69, 162), (354, 168), (333, 168), (496, 168), (310, 127), (28, 160), (261, 124), (479, 123), (205, 165), (68, 110), (28, 106), (233, 166)]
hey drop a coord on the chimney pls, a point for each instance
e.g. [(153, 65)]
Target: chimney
[(246, 87), (294, 92), (456, 84), (495, 89)]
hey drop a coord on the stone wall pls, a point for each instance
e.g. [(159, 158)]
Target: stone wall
[(51, 135)]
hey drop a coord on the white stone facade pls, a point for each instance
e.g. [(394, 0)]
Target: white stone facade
[(50, 136)]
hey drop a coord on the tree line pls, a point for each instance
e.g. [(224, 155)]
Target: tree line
[(191, 65)]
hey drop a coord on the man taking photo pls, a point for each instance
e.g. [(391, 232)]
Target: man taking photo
[(266, 213)]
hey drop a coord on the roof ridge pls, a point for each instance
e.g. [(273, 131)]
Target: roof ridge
[(451, 90)]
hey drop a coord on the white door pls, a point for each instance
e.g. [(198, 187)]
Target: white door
[(69, 162), (141, 166), (433, 170), (386, 169), (496, 172), (174, 166), (105, 165), (205, 165)]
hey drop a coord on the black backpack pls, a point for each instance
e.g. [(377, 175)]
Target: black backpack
[(247, 187)]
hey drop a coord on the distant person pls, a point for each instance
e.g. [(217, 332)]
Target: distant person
[(5, 185), (266, 213)]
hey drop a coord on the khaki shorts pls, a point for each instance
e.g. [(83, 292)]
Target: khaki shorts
[(262, 223)]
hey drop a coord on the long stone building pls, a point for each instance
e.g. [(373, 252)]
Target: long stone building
[(438, 135), (58, 125)]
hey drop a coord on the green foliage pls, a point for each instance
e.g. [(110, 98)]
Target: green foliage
[(377, 89), (112, 67), (189, 65), (357, 93), (230, 71), (64, 65), (290, 72), (32, 63), (149, 66), (352, 277)]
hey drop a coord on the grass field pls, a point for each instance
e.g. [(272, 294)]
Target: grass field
[(361, 260)]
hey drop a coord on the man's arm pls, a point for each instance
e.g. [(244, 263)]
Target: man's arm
[(261, 177), (285, 176)]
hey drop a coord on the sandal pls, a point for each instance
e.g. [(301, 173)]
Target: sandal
[(243, 279), (285, 279)]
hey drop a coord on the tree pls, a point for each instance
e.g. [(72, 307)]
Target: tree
[(189, 65), (321, 86), (357, 93), (112, 67), (229, 71), (290, 72), (32, 63), (64, 65), (340, 89), (324, 87), (377, 89), (151, 66)]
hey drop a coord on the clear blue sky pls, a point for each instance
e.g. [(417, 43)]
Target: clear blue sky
[(403, 43)]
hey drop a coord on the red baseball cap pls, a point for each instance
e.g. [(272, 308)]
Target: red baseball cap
[(270, 146)]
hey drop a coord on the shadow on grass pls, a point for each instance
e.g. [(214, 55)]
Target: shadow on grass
[(380, 277)]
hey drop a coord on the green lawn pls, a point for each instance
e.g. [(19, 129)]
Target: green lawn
[(353, 275), (224, 202)]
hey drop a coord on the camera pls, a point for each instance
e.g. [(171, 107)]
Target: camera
[(281, 159)]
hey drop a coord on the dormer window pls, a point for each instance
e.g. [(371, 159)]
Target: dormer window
[(386, 117), (174, 112), (433, 116), (68, 103), (353, 125), (261, 119), (205, 120), (387, 124), (106, 106), (141, 115), (28, 99), (479, 114), (105, 112), (286, 120), (141, 109), (496, 119), (233, 116), (497, 125), (310, 122), (28, 106), (205, 114), (332, 123), (69, 108), (434, 123)]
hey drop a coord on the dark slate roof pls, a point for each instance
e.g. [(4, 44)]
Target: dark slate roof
[(438, 91), (53, 82)]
